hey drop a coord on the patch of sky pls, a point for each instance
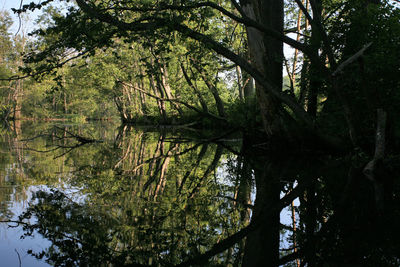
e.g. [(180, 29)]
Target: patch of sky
[(14, 246)]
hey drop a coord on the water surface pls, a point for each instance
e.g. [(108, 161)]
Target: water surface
[(101, 195)]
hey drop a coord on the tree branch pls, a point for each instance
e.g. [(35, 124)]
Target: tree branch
[(164, 22), (304, 10), (173, 100), (47, 70), (351, 59)]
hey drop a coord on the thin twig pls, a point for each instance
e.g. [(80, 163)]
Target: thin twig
[(19, 18), (19, 257)]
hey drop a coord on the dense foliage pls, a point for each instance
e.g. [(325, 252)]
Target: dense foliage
[(197, 62)]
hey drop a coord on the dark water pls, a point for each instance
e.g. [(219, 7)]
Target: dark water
[(99, 195)]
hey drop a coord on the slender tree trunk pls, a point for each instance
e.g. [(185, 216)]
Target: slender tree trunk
[(304, 69), (296, 51), (159, 93), (17, 99), (214, 92), (239, 82), (167, 88), (120, 108), (248, 89), (248, 82), (294, 227), (64, 95), (304, 84), (128, 103), (314, 87), (195, 89), (65, 103), (54, 103), (141, 94)]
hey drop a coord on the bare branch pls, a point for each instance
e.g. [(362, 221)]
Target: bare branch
[(351, 59), (172, 100), (19, 27), (158, 22)]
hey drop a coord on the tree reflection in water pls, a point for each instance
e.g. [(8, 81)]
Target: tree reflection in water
[(164, 199)]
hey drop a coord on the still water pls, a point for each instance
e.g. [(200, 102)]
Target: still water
[(103, 195)]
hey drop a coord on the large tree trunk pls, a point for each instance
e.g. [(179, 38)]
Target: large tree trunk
[(262, 244), (314, 77), (266, 54)]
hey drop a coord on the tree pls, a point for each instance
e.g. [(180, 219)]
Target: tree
[(5, 70), (160, 22), (10, 61), (92, 25)]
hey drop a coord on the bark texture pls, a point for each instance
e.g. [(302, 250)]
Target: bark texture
[(266, 55)]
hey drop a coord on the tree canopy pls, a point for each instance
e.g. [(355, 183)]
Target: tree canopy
[(165, 60)]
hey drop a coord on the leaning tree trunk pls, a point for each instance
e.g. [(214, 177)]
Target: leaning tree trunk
[(17, 100), (160, 96), (195, 89), (167, 88), (213, 89), (266, 54)]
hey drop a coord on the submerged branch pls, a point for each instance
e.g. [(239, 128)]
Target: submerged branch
[(68, 135)]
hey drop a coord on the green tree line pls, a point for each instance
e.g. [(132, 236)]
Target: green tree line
[(221, 62)]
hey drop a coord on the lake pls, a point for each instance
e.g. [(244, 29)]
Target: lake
[(99, 194)]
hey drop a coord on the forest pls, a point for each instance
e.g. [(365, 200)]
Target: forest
[(299, 83), (211, 64)]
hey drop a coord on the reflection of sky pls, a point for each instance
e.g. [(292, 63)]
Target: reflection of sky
[(287, 219), (224, 179), (10, 237), (285, 215), (11, 242)]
